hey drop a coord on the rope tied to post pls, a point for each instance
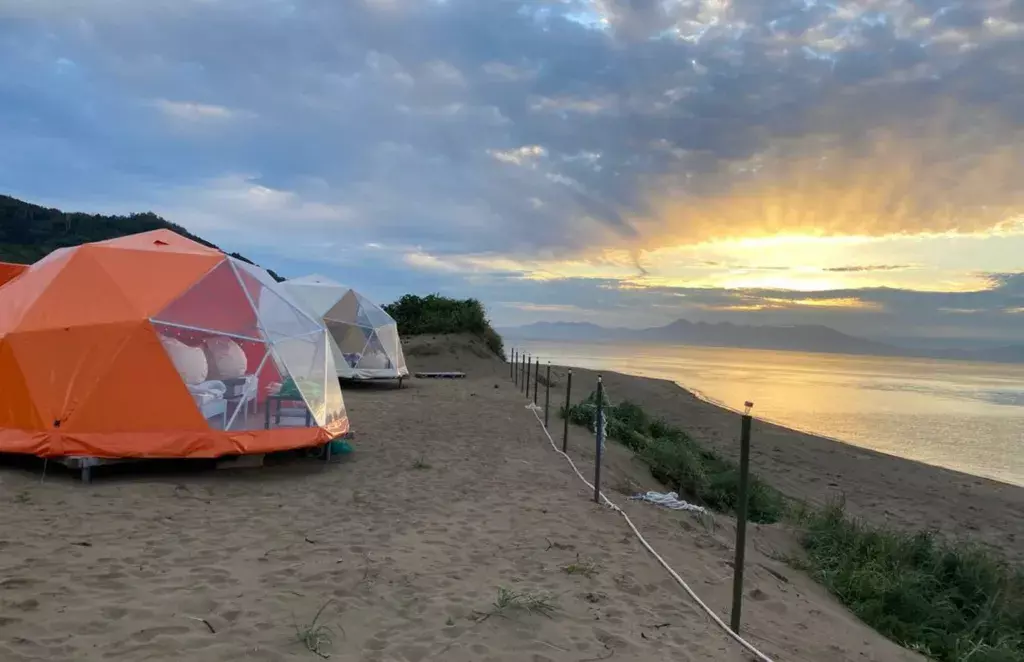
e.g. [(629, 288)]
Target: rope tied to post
[(604, 500)]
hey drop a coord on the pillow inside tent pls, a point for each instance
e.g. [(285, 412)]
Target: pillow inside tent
[(189, 361), (374, 361), (225, 357)]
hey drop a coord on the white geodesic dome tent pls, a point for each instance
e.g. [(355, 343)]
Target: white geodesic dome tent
[(362, 336)]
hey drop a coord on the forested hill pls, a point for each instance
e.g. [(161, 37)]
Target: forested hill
[(28, 232)]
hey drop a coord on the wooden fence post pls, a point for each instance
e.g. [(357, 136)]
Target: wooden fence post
[(536, 380), (741, 520), (568, 404), (599, 437), (547, 396), (529, 364)]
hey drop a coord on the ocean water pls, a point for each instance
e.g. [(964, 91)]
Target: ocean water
[(961, 415)]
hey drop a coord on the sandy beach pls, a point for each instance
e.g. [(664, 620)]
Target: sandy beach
[(453, 491)]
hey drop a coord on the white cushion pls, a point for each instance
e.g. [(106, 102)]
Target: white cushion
[(373, 361), (189, 361), (226, 359)]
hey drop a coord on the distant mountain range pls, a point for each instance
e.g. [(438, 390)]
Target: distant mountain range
[(801, 338)]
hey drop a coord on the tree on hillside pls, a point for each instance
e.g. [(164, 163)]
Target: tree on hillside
[(29, 232)]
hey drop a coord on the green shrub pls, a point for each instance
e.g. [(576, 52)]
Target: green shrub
[(434, 313), (951, 603), (678, 461)]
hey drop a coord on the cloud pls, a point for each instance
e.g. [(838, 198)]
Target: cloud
[(193, 112), (533, 142), (869, 267)]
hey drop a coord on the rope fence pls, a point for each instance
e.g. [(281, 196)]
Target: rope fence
[(600, 428)]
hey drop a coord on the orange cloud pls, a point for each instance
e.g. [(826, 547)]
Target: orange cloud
[(773, 303), (957, 173)]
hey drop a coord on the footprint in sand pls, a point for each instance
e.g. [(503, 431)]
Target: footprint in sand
[(18, 582)]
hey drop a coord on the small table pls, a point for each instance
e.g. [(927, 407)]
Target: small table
[(278, 399)]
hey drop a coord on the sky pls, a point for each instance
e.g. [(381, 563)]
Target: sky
[(626, 162)]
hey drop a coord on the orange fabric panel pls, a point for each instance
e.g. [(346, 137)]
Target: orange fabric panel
[(63, 367), (168, 444), (141, 391), (18, 295), (9, 271), (17, 408), (151, 280), (79, 294), (159, 240), (28, 442)]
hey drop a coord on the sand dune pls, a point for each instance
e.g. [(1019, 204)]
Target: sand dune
[(453, 492)]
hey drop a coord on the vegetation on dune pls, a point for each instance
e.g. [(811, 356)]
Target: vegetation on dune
[(950, 602), (29, 232), (675, 459), (437, 314), (953, 603)]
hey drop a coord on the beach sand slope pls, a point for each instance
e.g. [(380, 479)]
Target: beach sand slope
[(452, 492), (883, 489)]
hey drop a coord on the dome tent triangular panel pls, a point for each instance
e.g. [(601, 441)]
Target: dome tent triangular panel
[(22, 293), (82, 274), (159, 389), (9, 271), (374, 357), (215, 302), (116, 404), (364, 338), (167, 274), (17, 408), (347, 310), (317, 294), (279, 314), (79, 354), (376, 315)]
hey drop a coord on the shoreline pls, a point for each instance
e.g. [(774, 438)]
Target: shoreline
[(883, 489), (695, 393)]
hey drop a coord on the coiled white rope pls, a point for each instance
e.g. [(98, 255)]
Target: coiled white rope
[(643, 541)]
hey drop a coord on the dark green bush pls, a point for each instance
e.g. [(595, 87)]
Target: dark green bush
[(437, 314)]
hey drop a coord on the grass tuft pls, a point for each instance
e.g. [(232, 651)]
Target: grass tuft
[(585, 567), (315, 636), (509, 600), (953, 603), (676, 460)]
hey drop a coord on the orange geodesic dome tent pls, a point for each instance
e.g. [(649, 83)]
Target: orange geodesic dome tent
[(155, 346)]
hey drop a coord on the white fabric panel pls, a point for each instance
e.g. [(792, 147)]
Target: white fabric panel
[(350, 318)]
